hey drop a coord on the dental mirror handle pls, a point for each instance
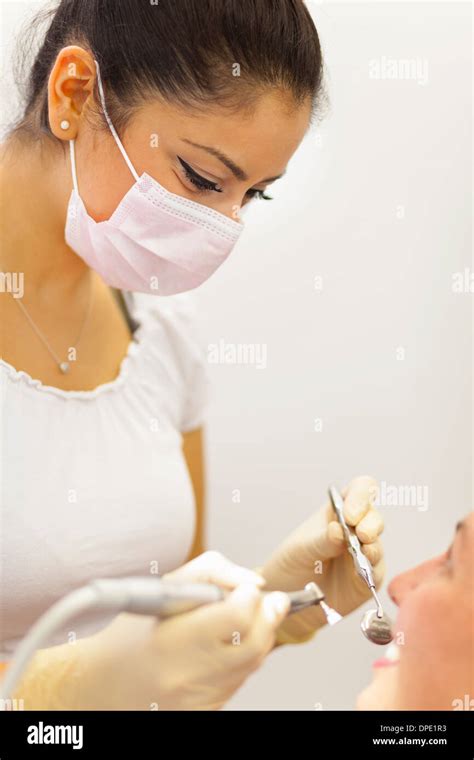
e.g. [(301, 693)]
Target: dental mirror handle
[(361, 563)]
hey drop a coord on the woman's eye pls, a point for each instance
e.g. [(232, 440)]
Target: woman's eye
[(259, 194), (203, 184)]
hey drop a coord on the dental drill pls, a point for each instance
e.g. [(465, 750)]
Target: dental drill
[(138, 595)]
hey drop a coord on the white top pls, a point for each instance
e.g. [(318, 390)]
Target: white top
[(93, 484)]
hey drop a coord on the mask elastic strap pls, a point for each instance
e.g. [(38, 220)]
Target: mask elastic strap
[(111, 126), (114, 135), (72, 153)]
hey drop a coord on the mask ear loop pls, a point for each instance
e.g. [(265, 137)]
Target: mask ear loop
[(111, 126), (114, 135), (73, 165)]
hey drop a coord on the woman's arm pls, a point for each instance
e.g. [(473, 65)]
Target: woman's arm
[(194, 455)]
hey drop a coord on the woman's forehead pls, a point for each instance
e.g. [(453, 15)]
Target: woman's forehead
[(261, 141)]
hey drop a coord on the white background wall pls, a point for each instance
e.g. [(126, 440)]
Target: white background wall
[(378, 204)]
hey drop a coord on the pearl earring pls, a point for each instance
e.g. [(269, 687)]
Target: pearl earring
[(65, 124)]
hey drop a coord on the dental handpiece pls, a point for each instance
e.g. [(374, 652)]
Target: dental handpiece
[(178, 598), (361, 563), (139, 595)]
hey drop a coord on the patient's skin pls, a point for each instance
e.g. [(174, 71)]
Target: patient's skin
[(436, 623)]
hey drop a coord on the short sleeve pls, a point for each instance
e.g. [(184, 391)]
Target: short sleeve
[(194, 362), (180, 317)]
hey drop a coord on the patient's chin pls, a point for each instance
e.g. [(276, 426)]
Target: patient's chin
[(381, 693)]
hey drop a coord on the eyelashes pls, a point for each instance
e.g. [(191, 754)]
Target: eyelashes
[(259, 194), (205, 185), (201, 183)]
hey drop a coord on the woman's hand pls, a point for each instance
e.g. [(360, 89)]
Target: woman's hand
[(316, 551), (196, 660)]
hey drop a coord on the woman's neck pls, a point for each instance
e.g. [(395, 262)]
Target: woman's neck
[(35, 185)]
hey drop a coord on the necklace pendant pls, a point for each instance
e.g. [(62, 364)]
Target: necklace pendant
[(64, 367)]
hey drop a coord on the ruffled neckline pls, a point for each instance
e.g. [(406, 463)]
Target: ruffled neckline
[(133, 350)]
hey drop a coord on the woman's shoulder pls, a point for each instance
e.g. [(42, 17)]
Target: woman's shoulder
[(170, 327), (176, 317)]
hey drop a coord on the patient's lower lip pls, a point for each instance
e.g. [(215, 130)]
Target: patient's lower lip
[(384, 662)]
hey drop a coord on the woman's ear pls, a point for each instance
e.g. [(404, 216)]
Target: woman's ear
[(71, 82)]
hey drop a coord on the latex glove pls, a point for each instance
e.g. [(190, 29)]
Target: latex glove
[(195, 660), (316, 551)]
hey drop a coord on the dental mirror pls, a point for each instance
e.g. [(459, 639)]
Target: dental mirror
[(376, 625)]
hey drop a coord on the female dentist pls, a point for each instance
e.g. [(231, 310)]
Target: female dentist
[(147, 127)]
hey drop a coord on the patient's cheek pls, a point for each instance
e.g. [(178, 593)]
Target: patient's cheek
[(425, 623), (433, 648)]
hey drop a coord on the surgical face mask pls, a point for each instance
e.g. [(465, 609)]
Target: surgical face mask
[(155, 241)]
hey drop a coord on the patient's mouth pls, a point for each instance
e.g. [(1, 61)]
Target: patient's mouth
[(391, 657)]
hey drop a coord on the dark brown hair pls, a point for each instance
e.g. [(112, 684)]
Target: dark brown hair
[(186, 51)]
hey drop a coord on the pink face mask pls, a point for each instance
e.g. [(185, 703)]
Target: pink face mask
[(155, 241)]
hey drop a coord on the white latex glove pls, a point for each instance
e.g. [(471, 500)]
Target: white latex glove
[(316, 551), (196, 660)]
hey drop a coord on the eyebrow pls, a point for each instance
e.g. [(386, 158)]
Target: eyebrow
[(237, 171)]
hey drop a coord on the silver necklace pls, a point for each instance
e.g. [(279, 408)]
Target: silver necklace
[(63, 366)]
